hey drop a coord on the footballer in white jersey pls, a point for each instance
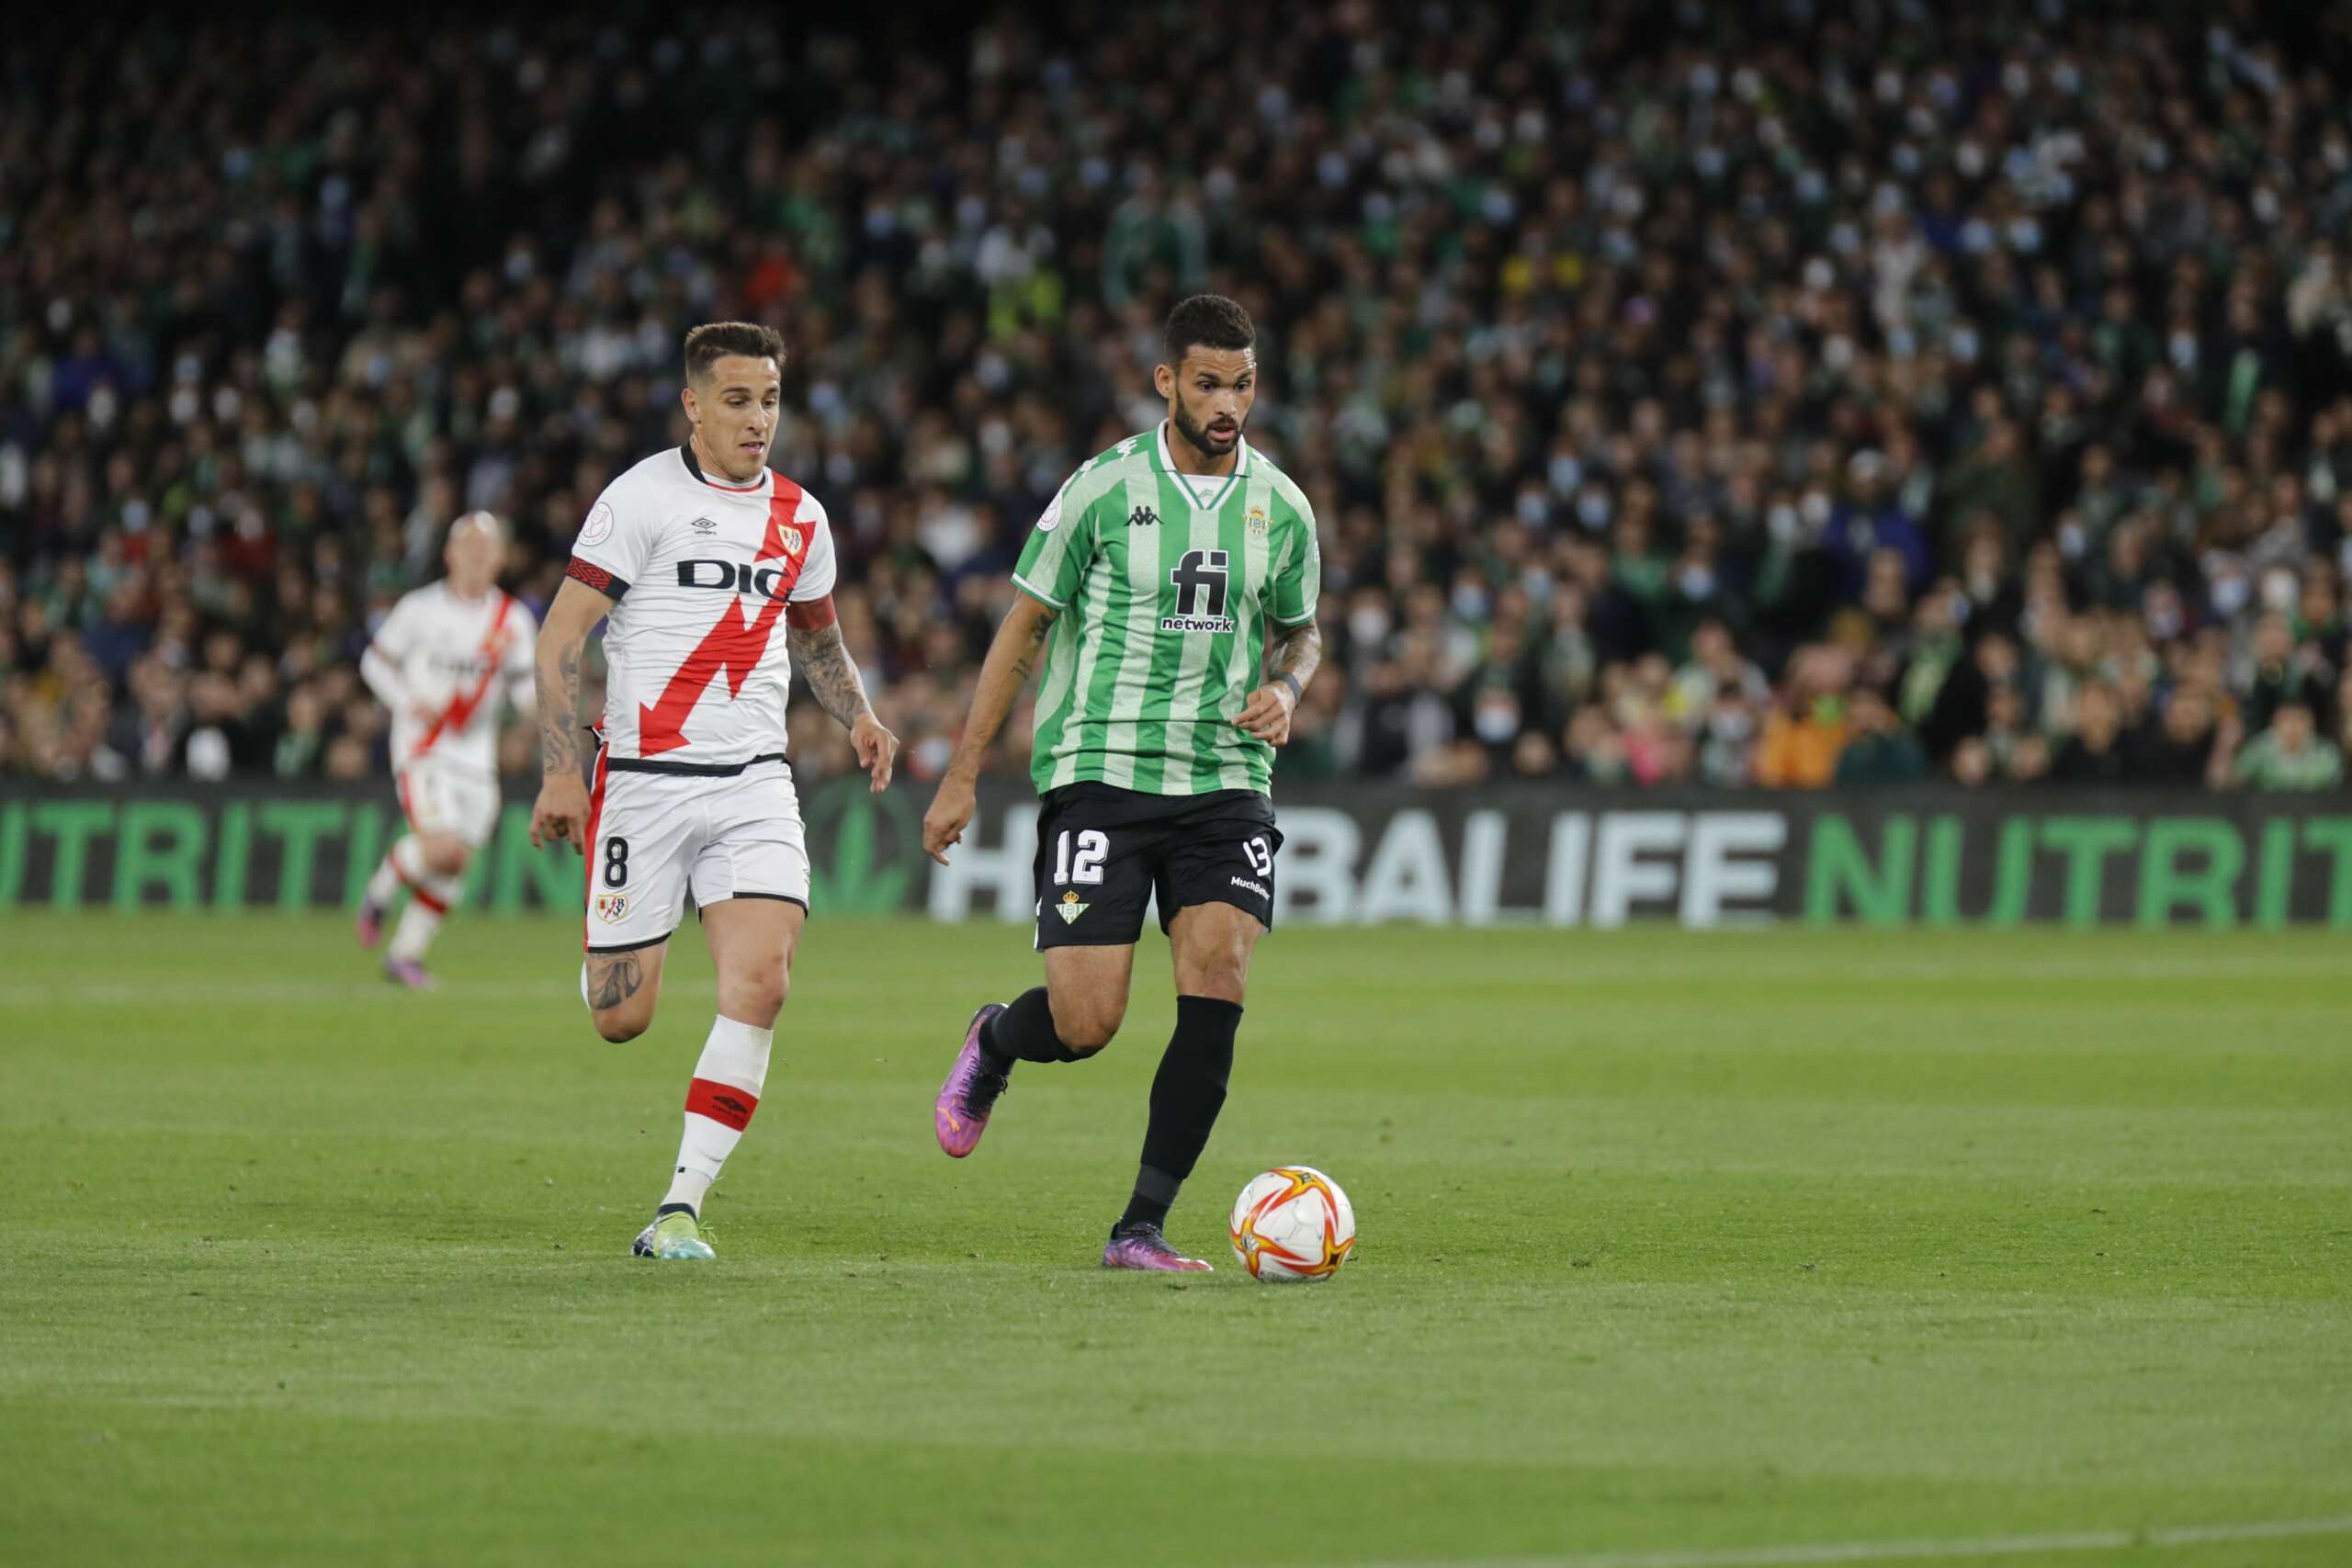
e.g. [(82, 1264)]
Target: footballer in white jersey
[(713, 574), (448, 660)]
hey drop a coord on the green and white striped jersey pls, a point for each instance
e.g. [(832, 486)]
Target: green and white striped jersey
[(1165, 583)]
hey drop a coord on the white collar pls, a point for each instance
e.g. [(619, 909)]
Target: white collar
[(1205, 489)]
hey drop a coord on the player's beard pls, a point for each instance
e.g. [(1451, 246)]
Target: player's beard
[(1198, 435)]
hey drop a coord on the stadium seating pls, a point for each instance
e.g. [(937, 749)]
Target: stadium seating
[(1852, 400)]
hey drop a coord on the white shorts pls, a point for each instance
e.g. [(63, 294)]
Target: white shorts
[(442, 797), (654, 838)]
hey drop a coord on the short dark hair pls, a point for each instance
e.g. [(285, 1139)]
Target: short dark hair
[(1211, 321), (713, 341)]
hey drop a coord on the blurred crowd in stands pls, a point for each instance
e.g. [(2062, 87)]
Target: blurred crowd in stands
[(1736, 394)]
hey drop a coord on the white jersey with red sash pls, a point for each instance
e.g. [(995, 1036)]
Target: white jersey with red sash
[(444, 666), (692, 794), (695, 664)]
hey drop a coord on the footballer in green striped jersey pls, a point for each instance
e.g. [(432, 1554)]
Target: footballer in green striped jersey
[(1173, 580), (1169, 592)]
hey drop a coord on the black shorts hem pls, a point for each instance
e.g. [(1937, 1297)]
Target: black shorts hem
[(633, 946), (777, 898), (1265, 919), (1087, 939)]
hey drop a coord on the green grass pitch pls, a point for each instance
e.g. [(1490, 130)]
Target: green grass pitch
[(1672, 1244)]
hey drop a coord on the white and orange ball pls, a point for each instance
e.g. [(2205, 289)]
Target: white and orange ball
[(1293, 1223)]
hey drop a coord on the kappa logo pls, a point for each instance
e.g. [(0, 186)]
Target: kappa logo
[(1143, 518), (610, 907), (704, 525), (1070, 909)]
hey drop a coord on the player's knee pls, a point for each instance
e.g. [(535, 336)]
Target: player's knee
[(1214, 963), (446, 857), (756, 997), (1222, 978), (621, 1025), (1086, 1027)]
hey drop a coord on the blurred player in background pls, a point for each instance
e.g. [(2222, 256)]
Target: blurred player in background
[(695, 555), (1170, 590), (448, 660)]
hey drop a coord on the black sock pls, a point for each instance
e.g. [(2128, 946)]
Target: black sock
[(1187, 1094), (1023, 1032)]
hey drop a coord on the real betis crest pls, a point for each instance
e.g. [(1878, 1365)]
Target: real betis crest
[(1257, 522), (1070, 909)]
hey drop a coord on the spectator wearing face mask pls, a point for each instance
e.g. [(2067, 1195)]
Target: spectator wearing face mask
[(1879, 749), (2178, 745), (2284, 670), (1810, 727), (1870, 520), (1962, 703), (1501, 698), (2095, 754), (2289, 755)]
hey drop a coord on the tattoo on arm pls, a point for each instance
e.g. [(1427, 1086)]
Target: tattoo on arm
[(824, 660), (613, 978), (559, 709), (1024, 654), (1297, 653)]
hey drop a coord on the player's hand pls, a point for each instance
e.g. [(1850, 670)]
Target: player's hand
[(951, 810), (876, 748), (1267, 714), (560, 812)]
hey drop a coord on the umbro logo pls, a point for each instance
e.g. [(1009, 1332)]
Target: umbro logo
[(1143, 518), (705, 525)]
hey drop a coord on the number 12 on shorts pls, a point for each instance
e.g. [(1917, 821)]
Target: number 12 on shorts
[(1093, 848)]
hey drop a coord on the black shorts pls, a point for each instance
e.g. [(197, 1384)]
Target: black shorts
[(1104, 853)]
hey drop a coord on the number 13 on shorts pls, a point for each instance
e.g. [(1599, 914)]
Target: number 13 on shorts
[(1260, 853)]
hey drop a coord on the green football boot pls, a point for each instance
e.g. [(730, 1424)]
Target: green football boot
[(671, 1238)]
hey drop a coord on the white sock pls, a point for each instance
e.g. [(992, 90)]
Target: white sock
[(432, 900), (404, 862), (719, 1102)]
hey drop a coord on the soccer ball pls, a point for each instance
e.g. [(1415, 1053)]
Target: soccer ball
[(1293, 1223)]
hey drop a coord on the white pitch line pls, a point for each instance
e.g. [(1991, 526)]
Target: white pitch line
[(1882, 1550)]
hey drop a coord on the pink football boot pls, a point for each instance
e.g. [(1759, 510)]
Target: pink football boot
[(961, 1113), (1142, 1247)]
